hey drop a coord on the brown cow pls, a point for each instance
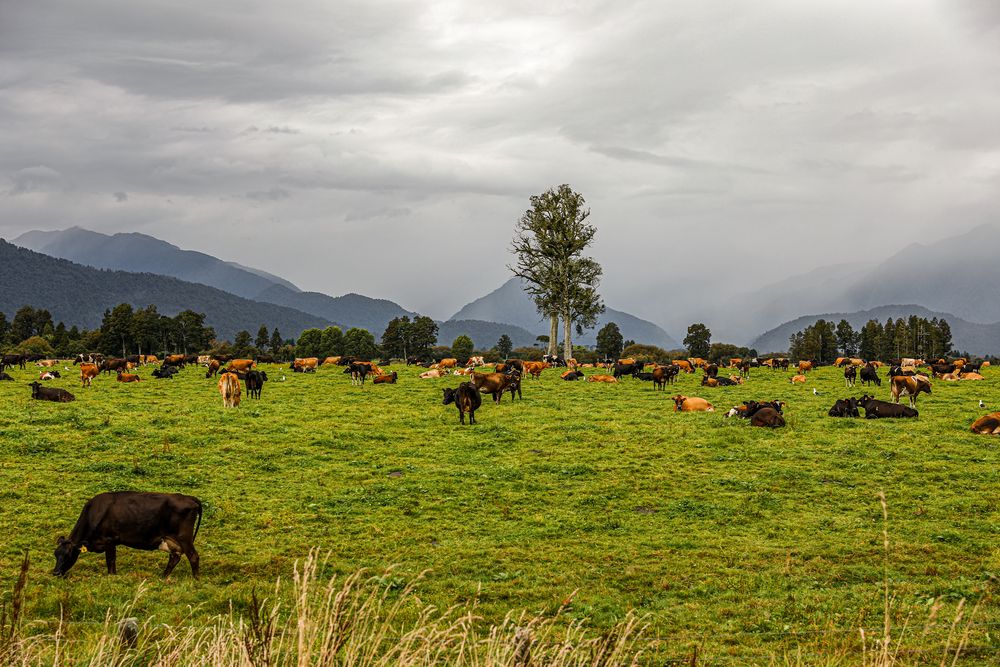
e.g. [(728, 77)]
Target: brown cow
[(386, 379), (447, 363), (805, 366), (331, 361), (127, 377), (305, 364), (175, 360), (495, 383), (241, 365), (798, 379), (698, 362), (213, 368), (692, 404), (684, 365), (229, 387), (909, 386), (87, 373), (433, 373), (535, 368), (987, 424), (735, 362), (47, 363), (602, 378)]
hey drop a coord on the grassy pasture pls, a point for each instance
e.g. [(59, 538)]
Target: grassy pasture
[(747, 542)]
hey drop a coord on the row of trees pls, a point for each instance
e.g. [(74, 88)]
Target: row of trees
[(906, 337)]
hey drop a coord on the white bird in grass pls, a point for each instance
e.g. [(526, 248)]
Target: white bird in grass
[(282, 378), (981, 404), (815, 393)]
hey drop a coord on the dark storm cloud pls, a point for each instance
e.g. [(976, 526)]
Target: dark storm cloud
[(251, 126)]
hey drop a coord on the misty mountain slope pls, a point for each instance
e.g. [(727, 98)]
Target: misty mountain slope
[(972, 337), (483, 334), (959, 275), (78, 294), (350, 310), (140, 253), (510, 303)]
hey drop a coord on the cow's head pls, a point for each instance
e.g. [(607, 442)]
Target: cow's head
[(263, 376), (66, 555), (449, 396)]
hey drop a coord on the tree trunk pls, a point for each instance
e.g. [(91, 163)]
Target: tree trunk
[(553, 335), (567, 336)]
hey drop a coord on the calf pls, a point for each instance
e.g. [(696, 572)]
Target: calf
[(40, 393), (850, 375), (165, 372), (798, 379), (255, 383), (711, 370), (767, 417), (229, 387), (845, 407), (466, 398), (359, 372), (386, 379), (572, 375), (602, 378), (147, 521), (127, 377), (49, 375), (875, 409)]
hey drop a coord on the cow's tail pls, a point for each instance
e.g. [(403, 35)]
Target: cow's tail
[(197, 525)]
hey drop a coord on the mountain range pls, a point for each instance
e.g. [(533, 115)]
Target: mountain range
[(503, 311), (78, 294)]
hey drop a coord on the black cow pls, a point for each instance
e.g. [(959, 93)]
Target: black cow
[(264, 359), (745, 368), (165, 372), (972, 367), (646, 377), (573, 375), (897, 371), (12, 360), (467, 399), (513, 384), (845, 407), (621, 369), (148, 521), (765, 414), (851, 375), (88, 358), (712, 370), (869, 374), (255, 383), (4, 376), (941, 369), (553, 360), (875, 409), (55, 394)]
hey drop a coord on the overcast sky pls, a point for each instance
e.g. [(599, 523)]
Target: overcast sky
[(387, 148)]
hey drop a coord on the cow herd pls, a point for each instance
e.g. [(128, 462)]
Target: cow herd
[(169, 522)]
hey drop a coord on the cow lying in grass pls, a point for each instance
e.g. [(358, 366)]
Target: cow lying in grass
[(466, 398), (572, 375), (386, 379), (875, 409), (40, 393), (987, 424), (764, 414), (845, 407), (692, 404)]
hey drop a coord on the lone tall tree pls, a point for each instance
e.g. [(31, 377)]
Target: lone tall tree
[(549, 240)]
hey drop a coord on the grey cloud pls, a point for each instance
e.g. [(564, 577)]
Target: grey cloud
[(34, 179), (272, 194), (120, 197)]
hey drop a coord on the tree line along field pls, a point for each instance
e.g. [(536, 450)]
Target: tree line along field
[(749, 543)]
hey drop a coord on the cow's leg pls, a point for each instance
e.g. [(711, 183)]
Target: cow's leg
[(472, 417), (175, 550), (194, 559), (110, 558)]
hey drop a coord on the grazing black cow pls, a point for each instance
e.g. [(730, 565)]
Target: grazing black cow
[(572, 375), (255, 383), (467, 399), (621, 369), (851, 375), (869, 374), (12, 360), (875, 409), (845, 407), (4, 376), (148, 521), (165, 372), (55, 394), (711, 370)]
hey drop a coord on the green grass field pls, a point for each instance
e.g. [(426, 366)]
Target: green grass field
[(749, 543)]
